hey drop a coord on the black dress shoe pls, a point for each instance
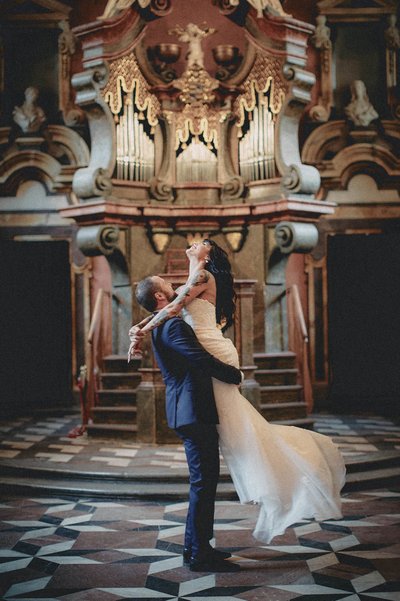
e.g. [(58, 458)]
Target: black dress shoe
[(212, 565), (212, 553)]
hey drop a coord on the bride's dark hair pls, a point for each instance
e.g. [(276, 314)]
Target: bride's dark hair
[(218, 264)]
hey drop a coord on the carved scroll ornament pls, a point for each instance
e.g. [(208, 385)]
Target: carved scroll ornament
[(94, 180), (273, 7), (115, 7), (297, 178)]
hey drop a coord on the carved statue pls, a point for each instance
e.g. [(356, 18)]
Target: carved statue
[(392, 34), (273, 7), (114, 7), (193, 35), (66, 40), (322, 34), (360, 109), (29, 116)]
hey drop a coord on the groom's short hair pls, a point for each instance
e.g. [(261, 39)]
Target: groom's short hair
[(145, 291)]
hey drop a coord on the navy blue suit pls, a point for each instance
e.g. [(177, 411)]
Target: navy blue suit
[(187, 369)]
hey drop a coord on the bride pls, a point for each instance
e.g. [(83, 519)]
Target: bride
[(291, 473)]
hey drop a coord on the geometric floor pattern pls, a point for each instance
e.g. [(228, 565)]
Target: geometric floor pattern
[(87, 550), (45, 442)]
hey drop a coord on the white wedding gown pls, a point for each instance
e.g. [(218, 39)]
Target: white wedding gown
[(290, 472)]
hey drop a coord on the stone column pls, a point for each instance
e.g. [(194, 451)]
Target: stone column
[(244, 335), (288, 237)]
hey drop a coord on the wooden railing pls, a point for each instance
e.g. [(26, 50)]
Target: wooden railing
[(298, 342), (88, 379)]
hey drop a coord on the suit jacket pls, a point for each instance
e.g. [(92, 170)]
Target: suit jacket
[(187, 369)]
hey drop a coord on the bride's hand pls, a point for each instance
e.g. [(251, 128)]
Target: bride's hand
[(136, 336)]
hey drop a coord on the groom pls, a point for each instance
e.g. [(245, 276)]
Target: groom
[(187, 369)]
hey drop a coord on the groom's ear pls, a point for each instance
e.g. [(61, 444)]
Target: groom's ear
[(159, 296)]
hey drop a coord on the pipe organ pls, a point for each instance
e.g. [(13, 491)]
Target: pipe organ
[(196, 163), (256, 146), (135, 146)]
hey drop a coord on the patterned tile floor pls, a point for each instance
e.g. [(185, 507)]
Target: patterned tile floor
[(85, 550), (45, 443)]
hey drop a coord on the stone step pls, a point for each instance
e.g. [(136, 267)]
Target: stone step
[(109, 489), (280, 394), (372, 479), (276, 411), (144, 488), (374, 461), (282, 360), (271, 377), (127, 431), (114, 415), (116, 397), (119, 363), (120, 380)]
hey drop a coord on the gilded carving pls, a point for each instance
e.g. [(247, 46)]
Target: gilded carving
[(125, 76), (265, 78), (193, 35)]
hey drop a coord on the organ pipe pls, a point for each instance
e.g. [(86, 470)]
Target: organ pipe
[(135, 148), (256, 147), (196, 163)]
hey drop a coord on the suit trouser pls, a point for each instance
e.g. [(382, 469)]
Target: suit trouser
[(202, 453)]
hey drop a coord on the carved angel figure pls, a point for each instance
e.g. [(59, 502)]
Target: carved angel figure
[(392, 34), (193, 35), (360, 109), (322, 34), (29, 116)]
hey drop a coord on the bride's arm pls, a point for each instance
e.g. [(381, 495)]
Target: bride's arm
[(196, 284)]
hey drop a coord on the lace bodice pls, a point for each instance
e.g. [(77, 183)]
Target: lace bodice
[(200, 315)]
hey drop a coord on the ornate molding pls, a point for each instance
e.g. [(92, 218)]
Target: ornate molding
[(95, 179), (113, 8), (52, 156), (339, 153), (161, 184), (392, 39), (199, 217), (322, 42), (67, 45), (233, 187), (338, 13), (97, 240), (297, 178), (292, 237)]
